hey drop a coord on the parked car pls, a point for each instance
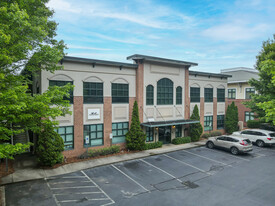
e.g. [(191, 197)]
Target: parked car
[(234, 144), (259, 136)]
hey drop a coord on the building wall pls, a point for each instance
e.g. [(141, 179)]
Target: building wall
[(240, 89)]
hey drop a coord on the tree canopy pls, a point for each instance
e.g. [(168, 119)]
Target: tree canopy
[(27, 43), (263, 103)]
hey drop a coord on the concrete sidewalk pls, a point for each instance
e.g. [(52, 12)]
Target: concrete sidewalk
[(30, 173)]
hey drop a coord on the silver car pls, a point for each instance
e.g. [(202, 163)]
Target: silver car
[(234, 144)]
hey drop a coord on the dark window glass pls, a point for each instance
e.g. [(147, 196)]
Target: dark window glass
[(119, 131), (194, 94), (178, 130), (220, 95), (149, 134), (60, 84), (220, 121), (208, 94), (208, 123), (179, 95), (221, 138), (248, 92), (248, 116), (232, 93), (93, 135), (165, 92), (67, 134), (93, 92), (149, 95), (120, 93)]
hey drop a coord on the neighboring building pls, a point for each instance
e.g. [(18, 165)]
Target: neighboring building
[(104, 93), (240, 91)]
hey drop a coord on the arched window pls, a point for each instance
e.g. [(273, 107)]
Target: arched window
[(149, 95), (164, 92), (179, 95)]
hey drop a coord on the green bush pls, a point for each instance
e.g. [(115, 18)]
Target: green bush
[(215, 133), (181, 140), (231, 118), (49, 147), (253, 123), (135, 137), (104, 151), (195, 129), (205, 135), (153, 145)]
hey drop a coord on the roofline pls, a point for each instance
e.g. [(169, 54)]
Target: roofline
[(234, 82), (97, 62), (240, 69), (207, 74), (161, 60)]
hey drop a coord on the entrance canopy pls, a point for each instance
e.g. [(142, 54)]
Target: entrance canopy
[(169, 123)]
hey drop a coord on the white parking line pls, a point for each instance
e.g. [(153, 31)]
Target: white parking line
[(86, 200), (59, 188), (184, 163), (207, 158), (129, 178), (67, 182), (112, 201), (56, 201), (161, 170), (80, 193), (237, 157)]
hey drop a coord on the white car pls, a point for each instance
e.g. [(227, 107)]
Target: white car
[(259, 136)]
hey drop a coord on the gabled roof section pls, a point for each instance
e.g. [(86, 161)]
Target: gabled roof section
[(161, 60), (236, 69), (97, 62), (207, 74)]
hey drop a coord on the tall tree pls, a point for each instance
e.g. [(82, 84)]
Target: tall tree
[(263, 103), (231, 118), (27, 42), (195, 129), (135, 137)]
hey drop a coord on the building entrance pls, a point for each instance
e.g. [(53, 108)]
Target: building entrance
[(165, 134)]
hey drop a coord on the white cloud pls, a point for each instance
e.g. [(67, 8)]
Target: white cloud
[(87, 48), (63, 5)]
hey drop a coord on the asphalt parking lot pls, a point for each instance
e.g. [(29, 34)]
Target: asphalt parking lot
[(198, 176)]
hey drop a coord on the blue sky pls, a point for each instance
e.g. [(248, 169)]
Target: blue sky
[(215, 34)]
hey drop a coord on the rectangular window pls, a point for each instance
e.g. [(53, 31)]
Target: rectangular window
[(220, 95), (60, 84), (194, 94), (220, 122), (208, 123), (67, 134), (120, 93), (119, 131), (93, 92), (248, 116), (149, 134), (248, 92), (232, 93), (93, 135), (179, 95), (178, 131), (208, 94)]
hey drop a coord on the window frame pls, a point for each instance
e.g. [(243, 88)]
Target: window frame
[(149, 134), (165, 92), (220, 95), (178, 132), (230, 93), (150, 95), (120, 98), (71, 97), (208, 119), (179, 95), (122, 129), (208, 94), (220, 121), (90, 132), (250, 116), (65, 136), (248, 92), (97, 98), (195, 95)]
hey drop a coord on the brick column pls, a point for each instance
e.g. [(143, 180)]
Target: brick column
[(107, 119), (202, 112), (140, 88), (186, 95), (131, 104), (214, 113)]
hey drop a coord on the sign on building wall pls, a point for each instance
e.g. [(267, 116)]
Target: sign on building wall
[(93, 113)]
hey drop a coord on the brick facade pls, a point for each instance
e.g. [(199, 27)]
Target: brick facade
[(107, 120), (202, 112), (241, 108), (140, 88)]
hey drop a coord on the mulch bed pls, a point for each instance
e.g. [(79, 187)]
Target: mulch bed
[(76, 159)]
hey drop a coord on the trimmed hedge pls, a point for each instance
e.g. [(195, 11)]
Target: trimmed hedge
[(104, 151), (253, 123), (181, 140), (153, 145), (215, 133), (205, 135)]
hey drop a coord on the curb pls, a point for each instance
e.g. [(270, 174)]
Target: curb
[(3, 198), (146, 153)]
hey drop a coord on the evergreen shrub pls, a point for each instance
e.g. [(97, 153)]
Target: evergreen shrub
[(153, 145), (205, 135), (195, 129), (104, 151), (181, 140), (253, 123), (231, 118)]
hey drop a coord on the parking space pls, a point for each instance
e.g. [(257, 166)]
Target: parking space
[(198, 176)]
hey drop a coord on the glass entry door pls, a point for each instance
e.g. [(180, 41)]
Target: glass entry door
[(165, 134)]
